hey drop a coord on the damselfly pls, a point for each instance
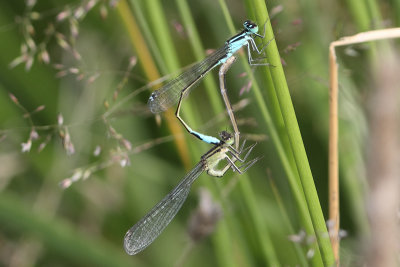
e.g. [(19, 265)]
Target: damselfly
[(144, 232), (174, 91)]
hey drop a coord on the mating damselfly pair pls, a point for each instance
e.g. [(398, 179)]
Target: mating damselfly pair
[(175, 90), (144, 232)]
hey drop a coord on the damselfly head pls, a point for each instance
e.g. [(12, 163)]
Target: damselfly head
[(226, 137), (250, 26)]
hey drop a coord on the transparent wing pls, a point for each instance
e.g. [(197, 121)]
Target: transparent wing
[(168, 95), (144, 232)]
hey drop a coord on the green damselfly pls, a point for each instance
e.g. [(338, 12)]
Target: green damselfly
[(144, 232)]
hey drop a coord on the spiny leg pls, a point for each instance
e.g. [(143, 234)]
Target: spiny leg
[(262, 36), (253, 61), (245, 166), (249, 164), (241, 150), (238, 152), (260, 50), (237, 155)]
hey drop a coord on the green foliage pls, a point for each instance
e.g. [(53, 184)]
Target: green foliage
[(82, 158)]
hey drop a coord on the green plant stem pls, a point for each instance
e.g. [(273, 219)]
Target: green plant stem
[(360, 14), (151, 71), (297, 246), (293, 131), (199, 52), (286, 157)]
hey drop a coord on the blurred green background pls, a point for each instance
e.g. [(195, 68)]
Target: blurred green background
[(77, 59)]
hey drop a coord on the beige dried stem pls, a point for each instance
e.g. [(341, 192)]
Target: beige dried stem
[(333, 124)]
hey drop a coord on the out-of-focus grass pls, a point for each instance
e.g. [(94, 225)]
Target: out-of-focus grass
[(265, 209)]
